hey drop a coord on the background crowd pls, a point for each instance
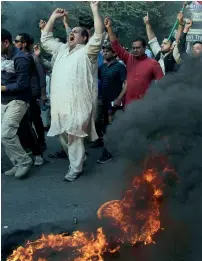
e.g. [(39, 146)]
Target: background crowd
[(89, 77)]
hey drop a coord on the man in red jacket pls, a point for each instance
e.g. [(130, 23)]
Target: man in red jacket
[(141, 70)]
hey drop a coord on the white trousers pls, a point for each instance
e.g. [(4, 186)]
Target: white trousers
[(74, 147), (11, 116)]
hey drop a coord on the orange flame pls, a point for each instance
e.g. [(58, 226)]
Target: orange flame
[(136, 217), (87, 247), (136, 223)]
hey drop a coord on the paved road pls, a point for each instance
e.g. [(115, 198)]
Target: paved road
[(45, 198)]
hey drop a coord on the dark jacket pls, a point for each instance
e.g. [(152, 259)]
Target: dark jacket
[(37, 74), (18, 82), (169, 61)]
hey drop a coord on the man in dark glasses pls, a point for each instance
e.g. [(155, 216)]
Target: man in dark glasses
[(25, 42)]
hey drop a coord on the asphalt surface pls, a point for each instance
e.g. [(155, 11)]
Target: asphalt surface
[(44, 197)]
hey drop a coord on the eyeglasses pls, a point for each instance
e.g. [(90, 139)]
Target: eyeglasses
[(18, 41)]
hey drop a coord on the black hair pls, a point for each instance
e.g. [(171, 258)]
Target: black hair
[(144, 44), (26, 38), (172, 39), (197, 42), (86, 21), (108, 47), (84, 33), (6, 35)]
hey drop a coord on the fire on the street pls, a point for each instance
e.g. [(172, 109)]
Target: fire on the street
[(137, 215), (136, 218), (84, 247)]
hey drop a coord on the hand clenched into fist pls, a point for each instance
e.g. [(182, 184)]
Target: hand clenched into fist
[(188, 24), (180, 17), (37, 50), (94, 4), (65, 18), (107, 22), (59, 13)]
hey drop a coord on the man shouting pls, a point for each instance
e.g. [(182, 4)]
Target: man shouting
[(74, 86)]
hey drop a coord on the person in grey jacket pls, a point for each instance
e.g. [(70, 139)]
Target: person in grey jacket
[(38, 86)]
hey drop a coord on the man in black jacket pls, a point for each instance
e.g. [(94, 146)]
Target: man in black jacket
[(167, 54), (197, 48), (15, 97), (24, 42)]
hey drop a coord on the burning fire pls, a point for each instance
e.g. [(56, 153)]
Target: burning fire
[(137, 214), (85, 247), (136, 218)]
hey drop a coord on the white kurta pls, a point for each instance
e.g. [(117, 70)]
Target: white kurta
[(73, 86)]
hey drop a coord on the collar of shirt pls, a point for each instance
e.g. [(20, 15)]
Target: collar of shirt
[(112, 63), (141, 58), (77, 47)]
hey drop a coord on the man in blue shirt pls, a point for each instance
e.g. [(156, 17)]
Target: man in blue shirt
[(112, 76), (15, 97)]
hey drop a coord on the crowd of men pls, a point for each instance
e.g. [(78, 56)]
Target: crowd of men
[(91, 77)]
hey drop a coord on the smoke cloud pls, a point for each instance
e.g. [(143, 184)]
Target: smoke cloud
[(168, 123), (23, 17)]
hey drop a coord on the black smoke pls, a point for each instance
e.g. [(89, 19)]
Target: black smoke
[(168, 123), (24, 16)]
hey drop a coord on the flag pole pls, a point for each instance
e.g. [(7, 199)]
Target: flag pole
[(176, 23)]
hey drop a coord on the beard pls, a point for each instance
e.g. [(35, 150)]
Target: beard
[(165, 51)]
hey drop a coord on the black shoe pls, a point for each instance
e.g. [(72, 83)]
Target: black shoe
[(106, 157), (97, 144)]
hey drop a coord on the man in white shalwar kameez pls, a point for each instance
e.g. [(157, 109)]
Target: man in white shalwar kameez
[(74, 86)]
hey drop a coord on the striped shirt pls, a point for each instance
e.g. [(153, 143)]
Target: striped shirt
[(112, 77)]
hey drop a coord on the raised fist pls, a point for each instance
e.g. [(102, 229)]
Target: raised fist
[(146, 19), (180, 17), (107, 22), (65, 18), (188, 24), (94, 4), (37, 50), (59, 13)]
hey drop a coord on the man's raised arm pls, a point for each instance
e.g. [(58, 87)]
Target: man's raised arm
[(98, 24), (153, 42), (66, 24), (118, 49), (48, 42), (93, 47)]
